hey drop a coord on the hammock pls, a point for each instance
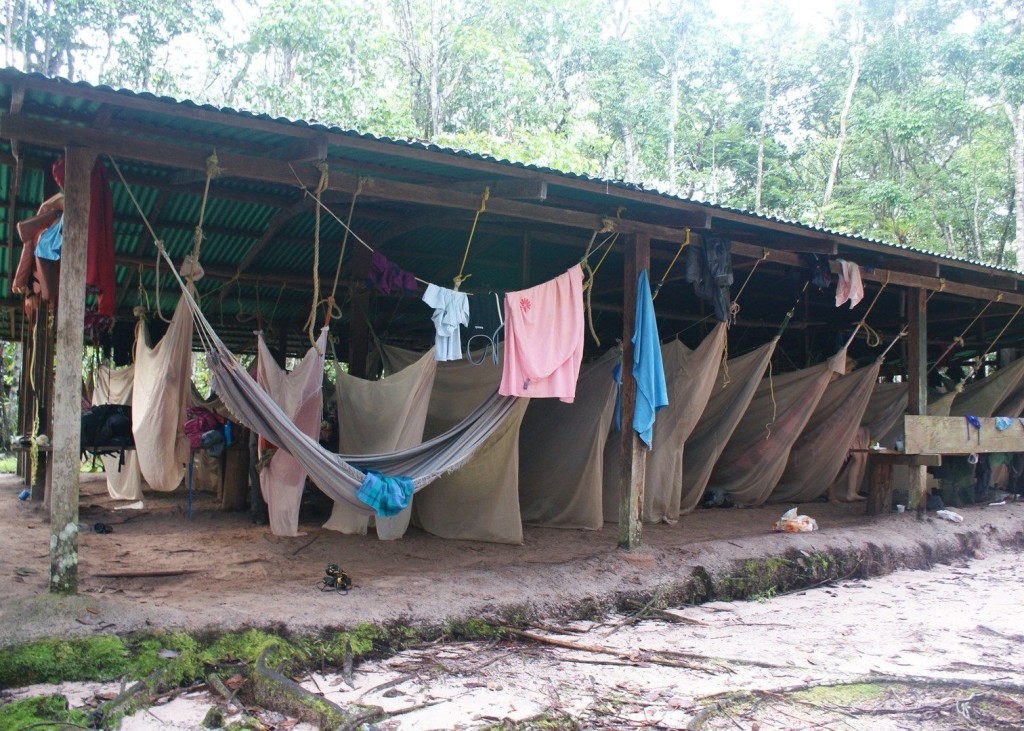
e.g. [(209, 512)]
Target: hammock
[(817, 457), (691, 377), (983, 396), (114, 386), (486, 488), (380, 416), (560, 479), (719, 419), (338, 475), (299, 393), (756, 455), (161, 387)]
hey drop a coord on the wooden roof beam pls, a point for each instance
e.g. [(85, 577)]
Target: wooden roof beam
[(531, 190)]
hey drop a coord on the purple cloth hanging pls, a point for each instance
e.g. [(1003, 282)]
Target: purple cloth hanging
[(387, 278)]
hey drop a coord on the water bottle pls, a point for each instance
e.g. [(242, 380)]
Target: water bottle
[(227, 433)]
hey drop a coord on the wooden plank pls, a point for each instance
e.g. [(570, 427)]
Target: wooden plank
[(535, 190), (67, 392), (633, 462), (359, 314), (949, 435)]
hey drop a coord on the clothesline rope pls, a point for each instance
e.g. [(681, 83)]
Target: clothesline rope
[(332, 214)]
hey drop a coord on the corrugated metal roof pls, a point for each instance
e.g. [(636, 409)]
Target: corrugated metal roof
[(62, 104)]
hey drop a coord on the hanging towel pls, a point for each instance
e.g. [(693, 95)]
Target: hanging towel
[(544, 339), (849, 287), (451, 309), (648, 369)]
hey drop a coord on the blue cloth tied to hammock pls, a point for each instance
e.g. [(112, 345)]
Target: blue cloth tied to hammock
[(387, 496)]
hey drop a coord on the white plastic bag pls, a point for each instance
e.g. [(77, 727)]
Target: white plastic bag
[(950, 516), (790, 522)]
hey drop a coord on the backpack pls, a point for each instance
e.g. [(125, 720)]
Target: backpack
[(107, 429)]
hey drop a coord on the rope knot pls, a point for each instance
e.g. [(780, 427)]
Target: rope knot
[(213, 168), (483, 200)]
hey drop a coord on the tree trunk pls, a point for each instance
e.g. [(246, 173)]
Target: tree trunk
[(629, 154), (1016, 115), (769, 82), (8, 34), (673, 118), (855, 53), (435, 75)]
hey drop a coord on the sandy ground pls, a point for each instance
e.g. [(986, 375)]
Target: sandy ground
[(956, 626), (238, 574)]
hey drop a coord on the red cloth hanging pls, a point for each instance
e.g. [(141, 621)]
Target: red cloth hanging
[(100, 277)]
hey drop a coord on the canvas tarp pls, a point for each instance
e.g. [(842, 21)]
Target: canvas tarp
[(114, 386), (817, 457), (163, 377), (690, 376), (459, 386), (299, 393), (562, 446), (756, 455), (479, 501), (982, 397), (385, 415), (723, 412)]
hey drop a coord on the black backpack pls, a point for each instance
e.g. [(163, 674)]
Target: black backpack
[(107, 429)]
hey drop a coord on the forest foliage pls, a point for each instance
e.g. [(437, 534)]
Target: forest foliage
[(896, 119)]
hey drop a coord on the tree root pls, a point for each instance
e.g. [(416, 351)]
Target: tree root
[(270, 689)]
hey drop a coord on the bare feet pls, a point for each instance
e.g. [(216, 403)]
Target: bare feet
[(854, 498)]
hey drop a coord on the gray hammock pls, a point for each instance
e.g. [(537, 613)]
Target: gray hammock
[(339, 475)]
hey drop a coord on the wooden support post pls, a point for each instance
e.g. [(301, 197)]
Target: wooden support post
[(525, 258), (633, 461), (917, 367), (67, 392), (359, 314)]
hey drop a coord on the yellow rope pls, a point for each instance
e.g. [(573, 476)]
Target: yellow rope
[(775, 406), (318, 194), (734, 308), (459, 279), (344, 239), (664, 277), (1005, 327), (212, 171), (864, 320), (588, 284), (942, 286)]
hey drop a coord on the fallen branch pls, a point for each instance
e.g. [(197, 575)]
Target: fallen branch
[(156, 573), (599, 650), (274, 691)]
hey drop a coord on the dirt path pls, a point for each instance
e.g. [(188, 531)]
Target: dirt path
[(941, 649), (231, 573)]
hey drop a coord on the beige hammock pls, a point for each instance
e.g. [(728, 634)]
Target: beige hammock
[(114, 386), (983, 396), (817, 457), (690, 377), (721, 415), (756, 455), (562, 448), (385, 415), (163, 377)]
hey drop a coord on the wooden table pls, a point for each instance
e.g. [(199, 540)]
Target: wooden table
[(880, 482)]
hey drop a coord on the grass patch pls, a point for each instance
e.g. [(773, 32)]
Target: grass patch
[(48, 711), (8, 464)]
